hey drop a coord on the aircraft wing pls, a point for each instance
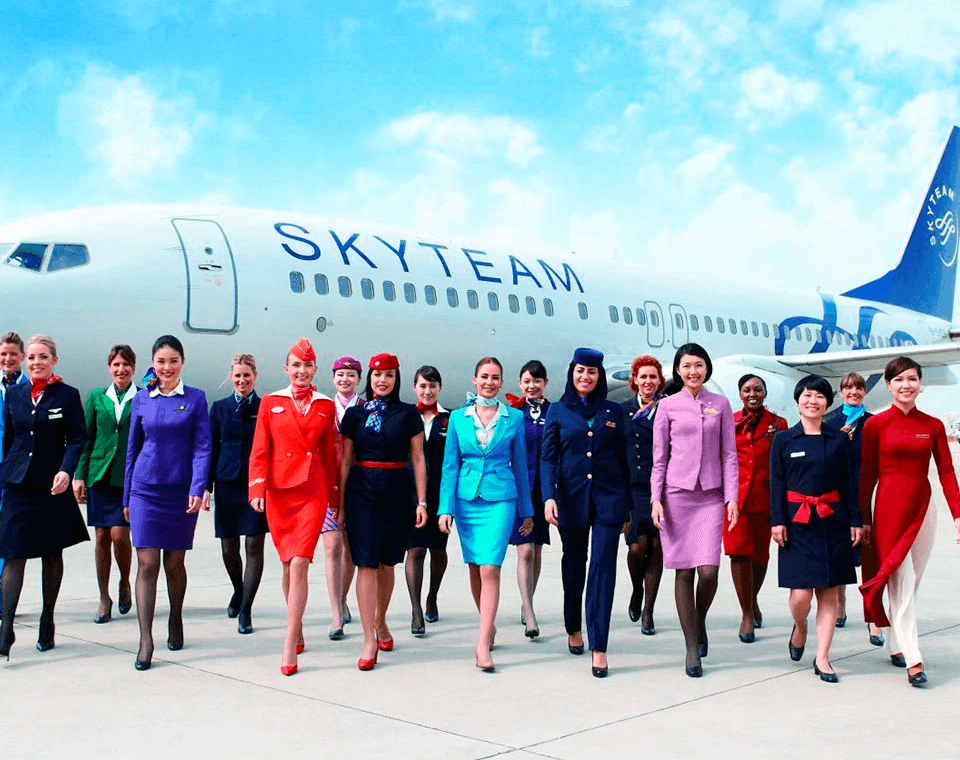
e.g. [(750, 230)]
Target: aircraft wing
[(871, 361)]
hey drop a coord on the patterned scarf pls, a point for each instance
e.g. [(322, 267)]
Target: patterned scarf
[(375, 418)]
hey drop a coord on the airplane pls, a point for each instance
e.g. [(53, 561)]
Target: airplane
[(232, 280)]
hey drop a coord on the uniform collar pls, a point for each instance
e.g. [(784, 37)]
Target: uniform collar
[(178, 391), (317, 395)]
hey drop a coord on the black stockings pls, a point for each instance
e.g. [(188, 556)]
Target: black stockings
[(692, 606)]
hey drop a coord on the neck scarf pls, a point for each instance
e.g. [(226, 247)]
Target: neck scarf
[(749, 420), (375, 418), (11, 379), (646, 410), (302, 392), (535, 408), (474, 400), (242, 401), (853, 413), (421, 407), (36, 390)]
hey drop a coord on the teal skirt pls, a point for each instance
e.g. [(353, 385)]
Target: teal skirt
[(484, 528)]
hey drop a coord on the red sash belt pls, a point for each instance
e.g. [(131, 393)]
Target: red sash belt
[(381, 465), (820, 503)]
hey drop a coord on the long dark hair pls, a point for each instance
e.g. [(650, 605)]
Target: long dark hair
[(394, 395)]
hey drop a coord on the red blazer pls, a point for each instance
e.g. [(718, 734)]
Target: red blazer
[(753, 460), (289, 449)]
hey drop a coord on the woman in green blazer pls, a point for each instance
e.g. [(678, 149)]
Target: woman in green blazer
[(102, 465)]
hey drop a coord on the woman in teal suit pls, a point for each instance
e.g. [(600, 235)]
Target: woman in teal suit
[(484, 486), (99, 476)]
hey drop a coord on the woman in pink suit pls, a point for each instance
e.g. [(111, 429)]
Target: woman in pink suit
[(293, 475), (694, 475)]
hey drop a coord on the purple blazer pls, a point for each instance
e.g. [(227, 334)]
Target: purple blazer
[(169, 441), (694, 440)]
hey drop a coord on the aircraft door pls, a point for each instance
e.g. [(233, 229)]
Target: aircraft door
[(211, 276), (678, 320), (655, 329)]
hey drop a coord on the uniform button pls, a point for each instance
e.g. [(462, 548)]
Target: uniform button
[(639, 467), (30, 454), (589, 434), (31, 432), (288, 454), (636, 445), (589, 476), (636, 435), (309, 453), (589, 453)]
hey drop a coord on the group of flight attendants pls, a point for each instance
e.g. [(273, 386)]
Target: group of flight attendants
[(673, 469)]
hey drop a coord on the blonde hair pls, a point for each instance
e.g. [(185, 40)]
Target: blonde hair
[(44, 340), (244, 359)]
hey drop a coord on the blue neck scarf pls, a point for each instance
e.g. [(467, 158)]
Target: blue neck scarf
[(853, 413), (474, 399), (375, 418)]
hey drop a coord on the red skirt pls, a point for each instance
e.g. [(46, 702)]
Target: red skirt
[(750, 537)]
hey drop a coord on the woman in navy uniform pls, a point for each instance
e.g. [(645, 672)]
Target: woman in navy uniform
[(43, 436), (814, 518), (233, 421), (585, 485), (644, 553)]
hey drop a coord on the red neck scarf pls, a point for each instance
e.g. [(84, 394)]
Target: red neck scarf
[(302, 393), (38, 386), (749, 420), (421, 407)]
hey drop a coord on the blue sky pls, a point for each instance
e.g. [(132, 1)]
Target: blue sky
[(783, 143)]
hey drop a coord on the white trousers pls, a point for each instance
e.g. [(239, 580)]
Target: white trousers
[(902, 590)]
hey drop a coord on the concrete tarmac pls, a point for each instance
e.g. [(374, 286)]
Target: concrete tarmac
[(222, 695)]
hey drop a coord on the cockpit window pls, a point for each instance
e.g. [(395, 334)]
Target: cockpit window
[(28, 256), (67, 256)]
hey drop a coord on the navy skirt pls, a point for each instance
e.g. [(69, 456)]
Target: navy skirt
[(105, 506), (232, 514)]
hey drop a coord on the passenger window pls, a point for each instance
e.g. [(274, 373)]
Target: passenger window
[(614, 314), (755, 330), (493, 301), (721, 328), (548, 307), (654, 319), (366, 288), (29, 256), (708, 324), (766, 330), (678, 321), (410, 292), (346, 287), (798, 334), (514, 303), (627, 315), (694, 323), (582, 308), (733, 326), (743, 328), (320, 284), (531, 305), (809, 336), (473, 300), (641, 317), (430, 294), (389, 291), (296, 282), (453, 297), (67, 256)]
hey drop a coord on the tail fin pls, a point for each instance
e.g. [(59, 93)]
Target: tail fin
[(925, 278)]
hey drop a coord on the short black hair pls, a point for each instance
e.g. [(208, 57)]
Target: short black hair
[(814, 383), (429, 373), (394, 394), (168, 341), (691, 349), (535, 368), (744, 379)]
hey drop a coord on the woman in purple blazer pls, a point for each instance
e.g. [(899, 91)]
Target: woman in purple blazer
[(168, 459), (694, 475)]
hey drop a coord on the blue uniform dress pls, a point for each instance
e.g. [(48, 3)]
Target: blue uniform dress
[(233, 422), (534, 421), (818, 551), (38, 442), (168, 460), (485, 485), (583, 468), (638, 440), (434, 441), (379, 503)]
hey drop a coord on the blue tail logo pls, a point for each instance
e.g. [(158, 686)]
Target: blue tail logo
[(925, 279)]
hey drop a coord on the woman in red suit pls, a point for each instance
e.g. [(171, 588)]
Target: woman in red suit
[(897, 445), (748, 542), (293, 475)]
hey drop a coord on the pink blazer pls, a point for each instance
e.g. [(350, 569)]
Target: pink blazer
[(694, 440)]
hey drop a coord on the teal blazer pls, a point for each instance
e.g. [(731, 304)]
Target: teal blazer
[(497, 474), (106, 439)]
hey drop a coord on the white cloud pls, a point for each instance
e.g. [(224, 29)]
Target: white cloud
[(683, 50), (769, 97), (126, 124), (464, 135), (707, 165), (790, 11), (540, 43), (457, 11), (903, 31)]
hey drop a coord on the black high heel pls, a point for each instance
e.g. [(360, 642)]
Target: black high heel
[(105, 617), (827, 677), (45, 640), (6, 642), (796, 653)]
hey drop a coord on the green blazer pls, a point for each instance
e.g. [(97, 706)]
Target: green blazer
[(106, 439)]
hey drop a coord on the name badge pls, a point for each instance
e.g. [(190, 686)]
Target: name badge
[(277, 409), (180, 408), (53, 416), (923, 435), (795, 454), (710, 410), (611, 424)]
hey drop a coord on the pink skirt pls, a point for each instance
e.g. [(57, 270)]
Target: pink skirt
[(692, 527)]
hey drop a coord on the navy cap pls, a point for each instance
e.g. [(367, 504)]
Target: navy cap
[(588, 357)]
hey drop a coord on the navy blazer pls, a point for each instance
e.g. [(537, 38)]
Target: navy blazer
[(580, 461), (231, 435), (40, 441), (639, 441), (811, 465)]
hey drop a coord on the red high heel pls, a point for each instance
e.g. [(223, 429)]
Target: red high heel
[(385, 645), (300, 647), (288, 670), (363, 664)]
